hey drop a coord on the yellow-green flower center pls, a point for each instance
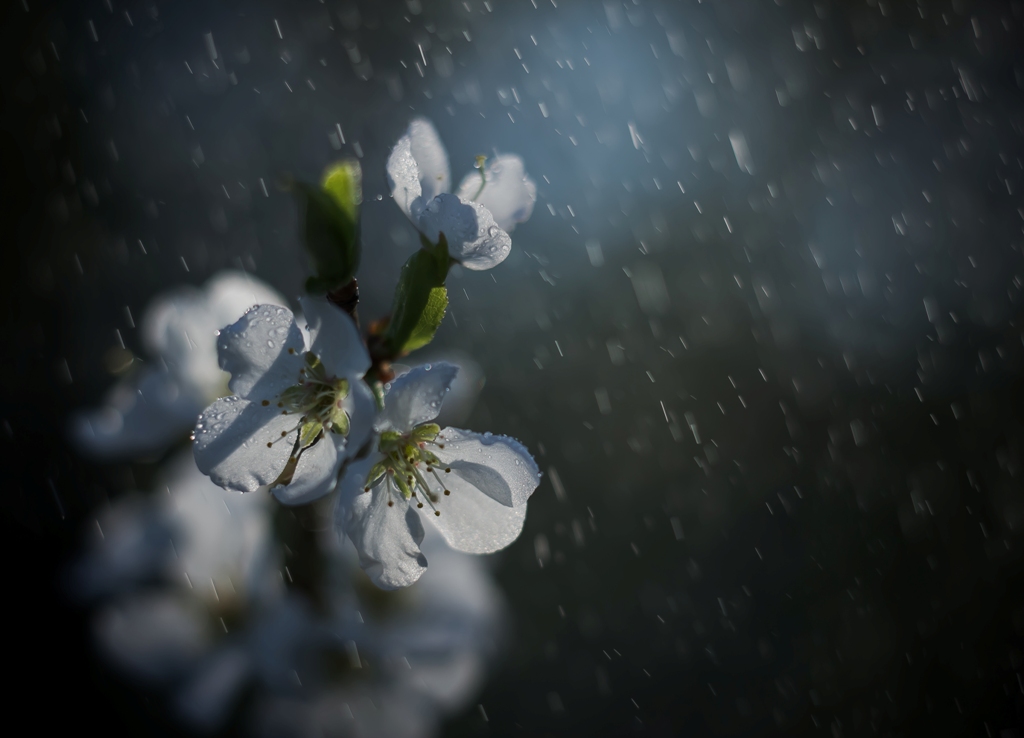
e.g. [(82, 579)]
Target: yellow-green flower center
[(410, 467), (318, 399)]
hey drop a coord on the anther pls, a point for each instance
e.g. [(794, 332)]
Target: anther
[(447, 491), (265, 403), (391, 503), (437, 513), (270, 445), (419, 504)]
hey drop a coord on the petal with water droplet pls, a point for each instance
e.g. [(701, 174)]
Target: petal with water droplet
[(418, 168), (262, 351), (474, 239), (507, 192), (416, 397), (491, 479), (239, 444)]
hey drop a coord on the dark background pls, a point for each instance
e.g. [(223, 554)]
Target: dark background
[(838, 553)]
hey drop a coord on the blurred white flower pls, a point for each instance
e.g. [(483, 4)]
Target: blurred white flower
[(298, 411), (159, 402), (474, 487), (477, 219), (210, 616)]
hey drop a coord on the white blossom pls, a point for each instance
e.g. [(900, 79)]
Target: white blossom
[(159, 401), (472, 487), (477, 219), (298, 412), (207, 615)]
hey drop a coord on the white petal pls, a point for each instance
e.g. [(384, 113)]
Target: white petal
[(141, 414), (387, 539), (362, 411), (491, 479), (507, 192), (416, 397), (418, 168), (231, 443), (334, 338), (180, 326), (474, 239), (263, 351), (315, 474)]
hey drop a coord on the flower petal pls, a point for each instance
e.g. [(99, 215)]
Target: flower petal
[(474, 239), (231, 293), (141, 414), (315, 474), (491, 479), (387, 539), (180, 326), (418, 168), (334, 338), (416, 397), (362, 411), (263, 351), (507, 192), (243, 445)]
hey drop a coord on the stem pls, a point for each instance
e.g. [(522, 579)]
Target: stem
[(346, 297)]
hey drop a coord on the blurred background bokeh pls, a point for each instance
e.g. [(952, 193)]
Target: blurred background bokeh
[(763, 332)]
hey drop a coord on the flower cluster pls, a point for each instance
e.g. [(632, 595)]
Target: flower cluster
[(303, 421), (210, 595)]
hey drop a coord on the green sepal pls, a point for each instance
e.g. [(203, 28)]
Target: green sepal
[(421, 299), (339, 420), (310, 430), (403, 485), (425, 432), (332, 225), (377, 471)]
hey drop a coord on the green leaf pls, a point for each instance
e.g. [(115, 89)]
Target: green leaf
[(343, 182), (332, 226), (421, 300)]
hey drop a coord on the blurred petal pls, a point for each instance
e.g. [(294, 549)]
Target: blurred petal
[(334, 338), (206, 700), (242, 445), (387, 539), (416, 397), (507, 192), (315, 473), (474, 239), (219, 535), (180, 326), (231, 293), (418, 168), (141, 414), (491, 479), (153, 637), (263, 351), (132, 545)]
